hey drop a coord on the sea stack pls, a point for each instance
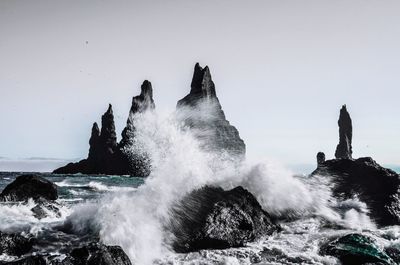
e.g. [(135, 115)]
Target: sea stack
[(106, 155), (132, 159), (374, 185), (343, 149), (205, 116)]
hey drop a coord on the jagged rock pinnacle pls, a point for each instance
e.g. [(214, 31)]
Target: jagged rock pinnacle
[(344, 149), (94, 141), (108, 137)]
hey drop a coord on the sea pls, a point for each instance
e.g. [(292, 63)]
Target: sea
[(134, 213)]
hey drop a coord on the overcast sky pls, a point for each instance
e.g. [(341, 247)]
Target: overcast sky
[(282, 70)]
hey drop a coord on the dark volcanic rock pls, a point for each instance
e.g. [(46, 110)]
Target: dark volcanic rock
[(43, 208), (211, 218), (320, 158), (375, 185), (106, 156), (31, 260), (99, 254), (343, 149), (206, 117), (92, 254), (356, 249), (14, 245), (29, 186), (132, 159)]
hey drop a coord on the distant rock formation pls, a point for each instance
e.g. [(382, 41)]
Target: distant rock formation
[(343, 149), (200, 110), (375, 185), (211, 218), (106, 155), (206, 117)]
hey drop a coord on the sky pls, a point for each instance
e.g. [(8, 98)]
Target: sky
[(282, 70)]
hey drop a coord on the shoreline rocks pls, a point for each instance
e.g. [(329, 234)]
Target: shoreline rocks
[(356, 249), (211, 218), (375, 185), (29, 186)]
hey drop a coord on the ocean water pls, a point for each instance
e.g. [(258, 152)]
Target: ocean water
[(134, 213)]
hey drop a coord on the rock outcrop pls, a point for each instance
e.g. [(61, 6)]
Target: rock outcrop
[(202, 112), (211, 218), (29, 186), (356, 249), (106, 155), (344, 149), (91, 254), (14, 244), (375, 185), (131, 158)]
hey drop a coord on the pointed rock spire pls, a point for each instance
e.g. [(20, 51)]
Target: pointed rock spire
[(140, 104), (344, 149), (202, 87), (108, 137), (94, 142), (202, 82)]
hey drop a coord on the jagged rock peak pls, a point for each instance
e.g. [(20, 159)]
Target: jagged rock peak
[(108, 136), (146, 90), (202, 82), (344, 149), (94, 140)]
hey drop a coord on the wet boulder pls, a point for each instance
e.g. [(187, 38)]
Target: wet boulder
[(14, 244), (30, 260), (356, 249), (211, 218), (29, 186), (99, 254)]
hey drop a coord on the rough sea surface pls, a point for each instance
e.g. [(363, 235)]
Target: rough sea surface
[(134, 213)]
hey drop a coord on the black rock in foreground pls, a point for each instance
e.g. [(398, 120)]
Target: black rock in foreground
[(377, 186), (207, 118), (14, 245), (211, 218), (356, 249), (91, 254), (29, 186)]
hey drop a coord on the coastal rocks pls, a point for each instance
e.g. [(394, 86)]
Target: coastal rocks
[(343, 149), (356, 249), (98, 254), (31, 260), (29, 186), (202, 112), (211, 218), (14, 245), (106, 155), (375, 185), (91, 254)]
